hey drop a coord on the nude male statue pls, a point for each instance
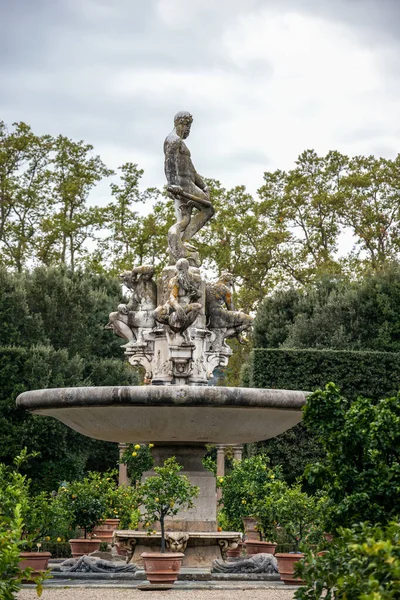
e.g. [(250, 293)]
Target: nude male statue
[(181, 308), (184, 183), (130, 319)]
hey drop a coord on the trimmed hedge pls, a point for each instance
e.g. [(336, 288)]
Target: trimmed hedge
[(64, 453), (369, 374)]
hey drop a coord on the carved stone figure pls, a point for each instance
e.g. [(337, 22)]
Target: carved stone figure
[(184, 183), (181, 308), (258, 563), (91, 564), (223, 319), (131, 319), (176, 541)]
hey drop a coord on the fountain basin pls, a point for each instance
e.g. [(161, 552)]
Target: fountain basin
[(173, 414)]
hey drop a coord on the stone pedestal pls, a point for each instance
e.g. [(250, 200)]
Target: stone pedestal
[(203, 516)]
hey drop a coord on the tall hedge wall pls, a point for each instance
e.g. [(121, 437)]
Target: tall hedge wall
[(370, 374)]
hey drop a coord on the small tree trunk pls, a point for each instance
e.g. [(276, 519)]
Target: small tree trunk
[(162, 533)]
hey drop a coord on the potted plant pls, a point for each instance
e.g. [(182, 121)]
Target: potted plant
[(18, 535), (87, 507), (298, 517), (164, 494), (242, 495)]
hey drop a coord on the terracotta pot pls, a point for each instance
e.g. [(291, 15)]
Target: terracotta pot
[(286, 563), (104, 531), (37, 561), (257, 547), (250, 528), (235, 552), (162, 567), (80, 546)]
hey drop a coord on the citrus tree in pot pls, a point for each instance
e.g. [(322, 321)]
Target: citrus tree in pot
[(165, 494), (87, 506), (243, 496), (300, 518)]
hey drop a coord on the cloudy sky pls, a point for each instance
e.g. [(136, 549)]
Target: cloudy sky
[(264, 79)]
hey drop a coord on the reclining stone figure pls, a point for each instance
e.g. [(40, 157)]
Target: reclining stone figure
[(130, 320), (222, 318)]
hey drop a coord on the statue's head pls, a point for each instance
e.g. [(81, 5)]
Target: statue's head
[(183, 121), (182, 265), (227, 278)]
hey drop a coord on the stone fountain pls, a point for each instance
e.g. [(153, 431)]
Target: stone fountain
[(176, 328)]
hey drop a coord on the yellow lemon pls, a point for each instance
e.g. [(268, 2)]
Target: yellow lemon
[(47, 538), (58, 539), (137, 446), (221, 479), (157, 499), (151, 445), (147, 524), (134, 453), (244, 502)]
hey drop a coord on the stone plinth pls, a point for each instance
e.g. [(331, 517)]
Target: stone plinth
[(200, 548)]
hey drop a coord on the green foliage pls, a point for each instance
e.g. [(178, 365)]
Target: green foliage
[(372, 374), (83, 354), (85, 501), (243, 490), (361, 472), (42, 514), (138, 459), (10, 547), (58, 549), (297, 513), (362, 563), (165, 494), (334, 313), (121, 502)]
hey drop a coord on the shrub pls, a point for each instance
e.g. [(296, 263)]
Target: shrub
[(361, 472), (362, 563), (243, 490)]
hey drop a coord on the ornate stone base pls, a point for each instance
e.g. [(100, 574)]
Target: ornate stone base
[(200, 548)]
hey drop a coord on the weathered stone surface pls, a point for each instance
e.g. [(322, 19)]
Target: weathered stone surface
[(258, 563), (92, 564), (202, 548), (170, 413), (185, 186)]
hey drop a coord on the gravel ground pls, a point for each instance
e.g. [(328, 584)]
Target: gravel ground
[(114, 594)]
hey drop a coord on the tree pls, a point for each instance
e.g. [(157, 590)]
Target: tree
[(360, 475), (71, 223), (334, 313), (126, 242), (369, 199), (24, 189), (165, 494), (304, 201), (241, 239)]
